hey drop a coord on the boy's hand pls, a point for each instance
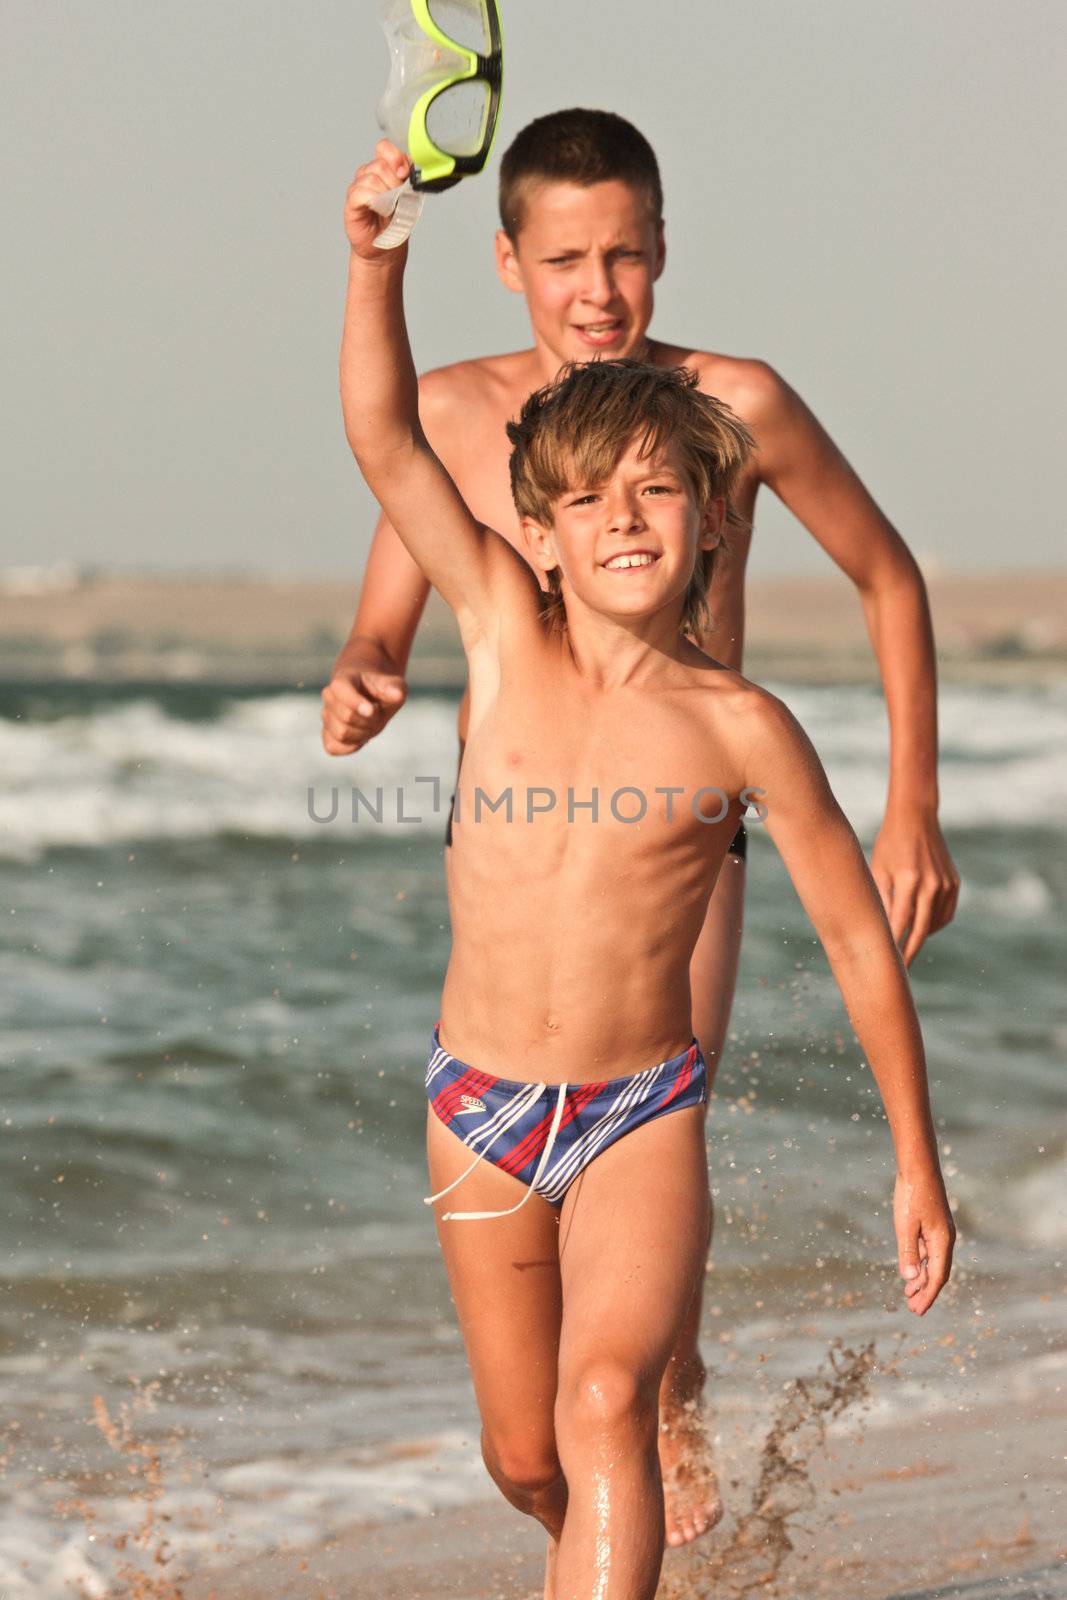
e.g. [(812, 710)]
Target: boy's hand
[(916, 879), (925, 1233), (356, 705), (363, 225)]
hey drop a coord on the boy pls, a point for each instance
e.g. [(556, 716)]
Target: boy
[(582, 239), (564, 1061)]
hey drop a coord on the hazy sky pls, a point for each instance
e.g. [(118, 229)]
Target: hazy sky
[(867, 194)]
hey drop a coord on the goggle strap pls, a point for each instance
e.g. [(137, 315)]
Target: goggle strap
[(405, 206)]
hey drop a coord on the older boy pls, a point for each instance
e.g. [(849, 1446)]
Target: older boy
[(564, 1061), (582, 239)]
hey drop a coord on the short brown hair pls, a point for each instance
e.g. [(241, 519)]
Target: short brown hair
[(576, 146), (577, 429)]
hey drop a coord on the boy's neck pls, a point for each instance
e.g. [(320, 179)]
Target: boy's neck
[(612, 654)]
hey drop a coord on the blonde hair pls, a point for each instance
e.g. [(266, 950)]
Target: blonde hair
[(576, 430)]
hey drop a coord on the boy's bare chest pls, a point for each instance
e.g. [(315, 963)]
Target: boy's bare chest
[(630, 758)]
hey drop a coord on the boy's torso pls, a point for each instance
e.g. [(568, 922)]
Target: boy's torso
[(573, 930)]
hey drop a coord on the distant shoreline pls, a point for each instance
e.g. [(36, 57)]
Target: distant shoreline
[(59, 625)]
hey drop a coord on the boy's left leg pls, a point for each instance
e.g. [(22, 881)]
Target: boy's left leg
[(691, 1491), (632, 1242)]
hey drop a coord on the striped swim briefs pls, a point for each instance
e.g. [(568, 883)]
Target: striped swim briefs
[(545, 1134)]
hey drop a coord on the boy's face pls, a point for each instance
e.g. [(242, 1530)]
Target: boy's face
[(586, 259), (627, 548)]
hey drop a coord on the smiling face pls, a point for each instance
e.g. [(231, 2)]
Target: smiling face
[(628, 548), (586, 258)]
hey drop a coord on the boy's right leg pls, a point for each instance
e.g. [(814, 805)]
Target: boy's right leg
[(505, 1280)]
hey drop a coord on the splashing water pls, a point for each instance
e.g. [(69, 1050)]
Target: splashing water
[(761, 1541), (145, 1551)]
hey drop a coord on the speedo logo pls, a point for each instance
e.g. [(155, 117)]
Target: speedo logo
[(470, 1102)]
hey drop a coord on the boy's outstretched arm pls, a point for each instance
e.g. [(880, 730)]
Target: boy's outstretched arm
[(476, 572), (910, 861), (826, 864)]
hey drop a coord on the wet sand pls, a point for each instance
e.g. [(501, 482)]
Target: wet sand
[(952, 1502)]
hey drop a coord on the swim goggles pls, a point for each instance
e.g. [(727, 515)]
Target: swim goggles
[(442, 100)]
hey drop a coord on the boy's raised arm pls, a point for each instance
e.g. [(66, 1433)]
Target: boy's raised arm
[(827, 866), (475, 571)]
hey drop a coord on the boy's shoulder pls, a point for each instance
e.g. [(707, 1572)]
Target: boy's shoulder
[(481, 381), (771, 753), (748, 385), (748, 716)]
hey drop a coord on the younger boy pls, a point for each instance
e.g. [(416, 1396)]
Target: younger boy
[(566, 1090)]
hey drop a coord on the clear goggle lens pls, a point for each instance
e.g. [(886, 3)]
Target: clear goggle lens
[(456, 117), (465, 21)]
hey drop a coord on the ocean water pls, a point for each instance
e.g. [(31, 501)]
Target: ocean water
[(223, 1323)]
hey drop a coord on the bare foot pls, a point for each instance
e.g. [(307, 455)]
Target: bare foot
[(550, 1569), (691, 1496)]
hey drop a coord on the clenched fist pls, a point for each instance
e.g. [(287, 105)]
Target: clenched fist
[(363, 224), (357, 703)]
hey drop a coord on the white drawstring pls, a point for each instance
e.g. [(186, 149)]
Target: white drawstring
[(532, 1093), (484, 1216)]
